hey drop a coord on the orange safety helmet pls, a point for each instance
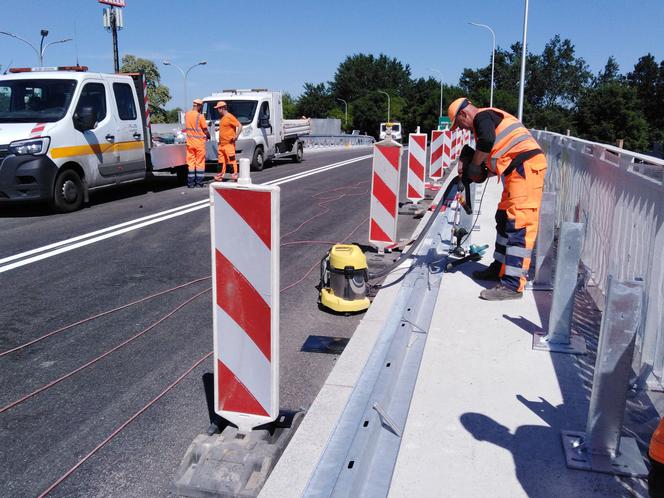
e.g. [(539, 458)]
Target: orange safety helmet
[(454, 108), (656, 448), (220, 104), (198, 102)]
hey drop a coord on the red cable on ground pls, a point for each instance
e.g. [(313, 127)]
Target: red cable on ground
[(125, 424), (99, 315), (95, 360)]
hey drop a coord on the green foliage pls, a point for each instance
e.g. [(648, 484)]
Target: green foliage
[(289, 105), (315, 102), (158, 94), (172, 116)]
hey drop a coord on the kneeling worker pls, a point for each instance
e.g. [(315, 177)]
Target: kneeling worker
[(229, 131), (507, 149), (197, 133)]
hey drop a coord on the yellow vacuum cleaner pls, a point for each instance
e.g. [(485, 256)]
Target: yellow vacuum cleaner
[(343, 279)]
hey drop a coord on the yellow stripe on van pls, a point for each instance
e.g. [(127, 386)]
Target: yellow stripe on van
[(83, 150)]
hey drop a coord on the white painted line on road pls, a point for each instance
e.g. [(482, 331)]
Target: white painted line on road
[(70, 244)]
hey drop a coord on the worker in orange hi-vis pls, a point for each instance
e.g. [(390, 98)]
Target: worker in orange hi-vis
[(229, 131), (656, 455), (197, 133), (505, 148)]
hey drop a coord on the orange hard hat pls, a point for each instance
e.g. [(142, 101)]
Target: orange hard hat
[(198, 102), (221, 103), (454, 108), (656, 448)]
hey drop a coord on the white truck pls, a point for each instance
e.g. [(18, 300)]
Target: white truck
[(396, 131), (66, 131), (266, 135)]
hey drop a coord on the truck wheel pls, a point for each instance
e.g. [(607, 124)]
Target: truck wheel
[(258, 161), (299, 155), (68, 192)]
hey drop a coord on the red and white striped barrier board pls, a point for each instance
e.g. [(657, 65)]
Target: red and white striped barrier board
[(245, 284), (455, 145), (384, 195), (447, 149), (37, 130), (417, 161), (436, 155)]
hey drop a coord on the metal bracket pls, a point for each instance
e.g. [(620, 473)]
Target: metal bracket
[(576, 344), (386, 421)]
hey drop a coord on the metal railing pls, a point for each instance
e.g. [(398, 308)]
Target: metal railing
[(321, 141), (619, 196)]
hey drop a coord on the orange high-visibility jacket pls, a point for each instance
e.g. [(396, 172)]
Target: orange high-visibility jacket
[(195, 127), (512, 138), (656, 448)]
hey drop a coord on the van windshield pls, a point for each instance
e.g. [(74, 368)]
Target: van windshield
[(243, 110), (38, 100)]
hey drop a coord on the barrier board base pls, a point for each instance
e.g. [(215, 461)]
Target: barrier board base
[(234, 463), (577, 344)]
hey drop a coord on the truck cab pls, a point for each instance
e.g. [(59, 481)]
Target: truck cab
[(396, 131), (266, 135), (64, 131)]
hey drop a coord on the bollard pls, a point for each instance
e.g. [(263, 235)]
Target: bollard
[(543, 279), (601, 448), (559, 339), (245, 175)]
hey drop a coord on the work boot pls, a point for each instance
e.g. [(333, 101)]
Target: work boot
[(491, 272), (500, 293)]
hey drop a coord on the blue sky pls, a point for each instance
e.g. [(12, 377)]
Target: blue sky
[(281, 44)]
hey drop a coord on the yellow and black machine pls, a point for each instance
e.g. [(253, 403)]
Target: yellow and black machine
[(343, 279)]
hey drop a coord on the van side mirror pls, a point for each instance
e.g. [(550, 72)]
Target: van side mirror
[(85, 118), (264, 122)]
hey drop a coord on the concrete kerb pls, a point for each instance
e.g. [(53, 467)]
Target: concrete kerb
[(296, 465)]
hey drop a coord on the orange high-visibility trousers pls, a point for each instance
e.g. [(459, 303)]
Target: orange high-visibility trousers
[(517, 218), (226, 153), (195, 163)]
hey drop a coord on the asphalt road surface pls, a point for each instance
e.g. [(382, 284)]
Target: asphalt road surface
[(93, 390)]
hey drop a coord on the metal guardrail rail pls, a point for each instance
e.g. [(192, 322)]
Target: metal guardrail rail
[(317, 141), (619, 196), (360, 456)]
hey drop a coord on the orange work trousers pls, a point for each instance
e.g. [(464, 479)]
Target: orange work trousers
[(226, 154), (195, 163), (517, 218)]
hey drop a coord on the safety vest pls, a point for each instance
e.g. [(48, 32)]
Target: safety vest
[(512, 138), (656, 448), (193, 126)]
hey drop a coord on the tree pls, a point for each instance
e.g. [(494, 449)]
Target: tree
[(289, 105), (172, 116), (611, 72), (360, 74), (158, 94), (315, 101)]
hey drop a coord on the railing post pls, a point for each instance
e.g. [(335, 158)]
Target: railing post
[(559, 338), (601, 448), (543, 279)]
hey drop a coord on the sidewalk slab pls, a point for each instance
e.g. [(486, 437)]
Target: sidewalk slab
[(487, 410)]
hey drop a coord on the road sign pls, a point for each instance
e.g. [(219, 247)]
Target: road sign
[(384, 194), (444, 123), (114, 3)]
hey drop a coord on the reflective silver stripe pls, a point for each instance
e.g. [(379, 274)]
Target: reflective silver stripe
[(508, 130), (499, 256), (500, 240), (498, 155), (519, 252), (513, 271)]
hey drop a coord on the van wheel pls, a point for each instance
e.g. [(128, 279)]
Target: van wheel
[(68, 192), (258, 161), (299, 155)]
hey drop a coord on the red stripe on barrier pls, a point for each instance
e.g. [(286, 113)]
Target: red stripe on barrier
[(237, 297), (384, 195), (412, 193), (253, 208), (435, 155), (420, 140), (416, 167), (391, 153), (376, 233), (233, 395)]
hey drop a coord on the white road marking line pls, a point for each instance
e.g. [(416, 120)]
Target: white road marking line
[(63, 246)]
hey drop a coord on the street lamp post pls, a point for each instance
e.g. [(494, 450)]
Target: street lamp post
[(346, 104), (493, 55), (523, 62), (184, 77), (42, 47), (388, 104), (441, 89)]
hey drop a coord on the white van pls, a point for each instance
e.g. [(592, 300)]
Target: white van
[(266, 135), (66, 131), (396, 131)]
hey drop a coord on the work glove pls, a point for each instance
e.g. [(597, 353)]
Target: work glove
[(471, 173)]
